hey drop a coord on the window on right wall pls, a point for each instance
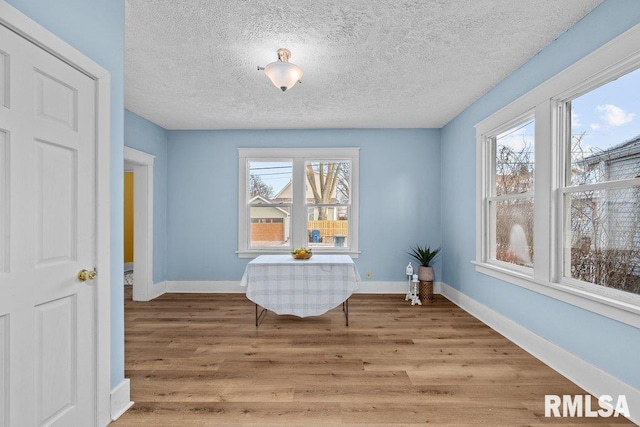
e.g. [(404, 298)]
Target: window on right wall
[(558, 185), (600, 189), (511, 200)]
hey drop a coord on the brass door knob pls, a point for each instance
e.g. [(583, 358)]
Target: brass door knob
[(84, 275)]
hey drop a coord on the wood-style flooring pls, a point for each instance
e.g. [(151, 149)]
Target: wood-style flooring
[(199, 360)]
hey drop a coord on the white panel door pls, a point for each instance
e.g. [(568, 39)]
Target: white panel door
[(47, 235)]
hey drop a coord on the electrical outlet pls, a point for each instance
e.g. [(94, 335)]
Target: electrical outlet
[(369, 275)]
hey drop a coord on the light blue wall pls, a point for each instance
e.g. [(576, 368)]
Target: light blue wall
[(582, 333), (143, 135), (202, 186), (399, 193), (96, 28)]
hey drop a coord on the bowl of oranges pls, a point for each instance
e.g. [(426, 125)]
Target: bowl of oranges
[(302, 253)]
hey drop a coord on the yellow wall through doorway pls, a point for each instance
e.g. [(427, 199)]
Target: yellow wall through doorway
[(128, 217)]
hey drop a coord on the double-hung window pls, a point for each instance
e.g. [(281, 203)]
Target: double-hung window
[(510, 194), (291, 198), (600, 186), (570, 227)]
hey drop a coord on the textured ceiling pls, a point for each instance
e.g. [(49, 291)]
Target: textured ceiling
[(192, 64)]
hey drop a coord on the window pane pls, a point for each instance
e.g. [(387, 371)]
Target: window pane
[(515, 160), (603, 242), (270, 226), (270, 181), (269, 186), (328, 182), (605, 132), (333, 230), (514, 230), (275, 211)]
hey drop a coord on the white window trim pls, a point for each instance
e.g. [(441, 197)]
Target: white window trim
[(613, 59), (488, 148), (299, 217)]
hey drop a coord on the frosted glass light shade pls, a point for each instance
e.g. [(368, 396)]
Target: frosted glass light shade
[(283, 74)]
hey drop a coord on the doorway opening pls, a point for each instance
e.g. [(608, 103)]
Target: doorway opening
[(139, 265), (128, 227)]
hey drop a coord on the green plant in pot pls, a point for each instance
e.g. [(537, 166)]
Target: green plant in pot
[(424, 256)]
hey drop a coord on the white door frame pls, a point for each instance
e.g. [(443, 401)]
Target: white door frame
[(12, 18), (141, 164)]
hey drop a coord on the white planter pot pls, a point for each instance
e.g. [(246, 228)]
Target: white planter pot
[(425, 274)]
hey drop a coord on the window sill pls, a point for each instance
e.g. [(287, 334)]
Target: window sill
[(253, 253), (624, 312)]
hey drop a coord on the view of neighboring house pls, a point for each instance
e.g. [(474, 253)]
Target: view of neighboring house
[(269, 223), (286, 195), (605, 224), (616, 209), (621, 161)]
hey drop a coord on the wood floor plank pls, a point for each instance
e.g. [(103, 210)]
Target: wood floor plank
[(199, 360)]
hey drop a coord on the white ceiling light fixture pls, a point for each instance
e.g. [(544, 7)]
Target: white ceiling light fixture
[(283, 73)]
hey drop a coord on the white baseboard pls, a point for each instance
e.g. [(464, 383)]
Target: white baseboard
[(591, 378), (437, 287), (233, 287), (154, 290), (157, 289), (120, 402), (205, 286), (370, 287), (128, 266)]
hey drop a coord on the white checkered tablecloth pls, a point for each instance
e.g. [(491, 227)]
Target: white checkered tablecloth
[(303, 288)]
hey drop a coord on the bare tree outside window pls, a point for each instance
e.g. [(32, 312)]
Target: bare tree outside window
[(512, 204), (269, 224), (601, 192), (604, 238), (329, 197), (329, 183), (295, 197), (257, 187)]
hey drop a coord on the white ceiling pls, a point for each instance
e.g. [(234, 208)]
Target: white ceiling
[(192, 64)]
